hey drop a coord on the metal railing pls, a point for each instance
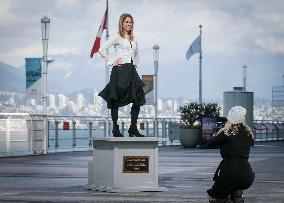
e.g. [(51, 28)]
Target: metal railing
[(78, 130), (268, 130), (15, 134), (23, 134)]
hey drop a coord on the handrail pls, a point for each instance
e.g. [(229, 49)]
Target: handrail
[(14, 114), (33, 139)]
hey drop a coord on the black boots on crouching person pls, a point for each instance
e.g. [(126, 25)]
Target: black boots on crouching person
[(133, 131), (219, 200), (235, 197)]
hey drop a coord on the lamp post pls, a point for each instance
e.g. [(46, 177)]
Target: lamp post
[(45, 23), (156, 60)]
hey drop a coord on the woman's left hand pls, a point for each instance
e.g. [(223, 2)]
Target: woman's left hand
[(117, 62)]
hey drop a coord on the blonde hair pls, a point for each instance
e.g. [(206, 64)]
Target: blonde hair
[(233, 129), (120, 25)]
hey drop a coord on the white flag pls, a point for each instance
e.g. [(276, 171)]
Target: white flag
[(195, 47)]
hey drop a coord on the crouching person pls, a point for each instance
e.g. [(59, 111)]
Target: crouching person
[(234, 172)]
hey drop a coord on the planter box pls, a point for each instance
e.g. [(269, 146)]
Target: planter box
[(189, 137)]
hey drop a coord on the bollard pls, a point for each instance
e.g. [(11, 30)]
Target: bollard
[(163, 131), (56, 134), (157, 126), (266, 133), (107, 126), (166, 129), (154, 127), (73, 133), (122, 127), (147, 128), (8, 136), (163, 128), (90, 133), (48, 144)]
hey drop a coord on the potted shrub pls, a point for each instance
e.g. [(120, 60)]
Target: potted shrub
[(191, 115)]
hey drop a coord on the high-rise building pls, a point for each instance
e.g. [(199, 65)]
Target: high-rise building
[(169, 105), (51, 101), (95, 96), (62, 101), (160, 104), (175, 105), (80, 101), (11, 101), (72, 107), (32, 102)]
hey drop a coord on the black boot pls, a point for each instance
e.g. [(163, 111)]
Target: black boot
[(116, 132), (220, 200), (237, 196), (133, 131)]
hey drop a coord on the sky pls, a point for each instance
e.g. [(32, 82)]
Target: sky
[(234, 33)]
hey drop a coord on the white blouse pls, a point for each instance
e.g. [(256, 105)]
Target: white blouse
[(124, 49)]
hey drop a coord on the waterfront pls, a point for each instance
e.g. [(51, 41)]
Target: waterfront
[(187, 173)]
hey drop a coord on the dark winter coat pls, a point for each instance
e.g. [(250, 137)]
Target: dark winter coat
[(234, 172)]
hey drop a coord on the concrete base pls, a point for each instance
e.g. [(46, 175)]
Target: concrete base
[(124, 165)]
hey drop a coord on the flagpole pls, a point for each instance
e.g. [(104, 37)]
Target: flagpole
[(107, 36), (107, 126), (200, 68)]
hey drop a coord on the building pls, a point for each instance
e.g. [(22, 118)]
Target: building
[(51, 101), (61, 101), (80, 101)]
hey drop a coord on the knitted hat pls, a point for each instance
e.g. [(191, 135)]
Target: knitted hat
[(237, 114)]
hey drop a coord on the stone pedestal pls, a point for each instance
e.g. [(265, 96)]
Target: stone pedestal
[(124, 165)]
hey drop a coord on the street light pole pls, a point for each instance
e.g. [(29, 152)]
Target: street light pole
[(45, 23), (156, 61)]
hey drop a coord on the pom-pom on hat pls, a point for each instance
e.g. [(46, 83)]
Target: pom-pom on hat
[(237, 114)]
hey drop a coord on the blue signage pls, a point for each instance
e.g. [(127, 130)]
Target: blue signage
[(33, 71)]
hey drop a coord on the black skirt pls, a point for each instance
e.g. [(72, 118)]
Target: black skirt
[(124, 87)]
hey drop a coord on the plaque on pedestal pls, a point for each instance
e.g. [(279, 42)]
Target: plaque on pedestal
[(124, 165)]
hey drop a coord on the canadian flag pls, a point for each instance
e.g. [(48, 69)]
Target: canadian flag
[(103, 26)]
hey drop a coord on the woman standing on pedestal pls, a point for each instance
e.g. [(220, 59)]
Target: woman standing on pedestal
[(125, 85)]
